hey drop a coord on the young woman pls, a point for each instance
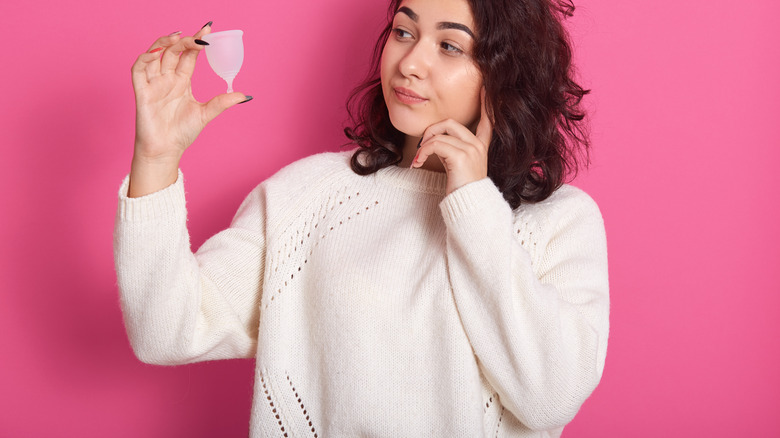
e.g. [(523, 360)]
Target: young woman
[(439, 280)]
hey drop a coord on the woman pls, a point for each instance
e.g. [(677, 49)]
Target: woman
[(438, 281)]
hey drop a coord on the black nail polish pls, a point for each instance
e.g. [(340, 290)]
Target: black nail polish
[(248, 98), (201, 42), (208, 24)]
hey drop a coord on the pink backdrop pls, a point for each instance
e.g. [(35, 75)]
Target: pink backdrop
[(685, 101)]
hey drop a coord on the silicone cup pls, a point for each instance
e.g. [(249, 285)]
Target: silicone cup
[(225, 53)]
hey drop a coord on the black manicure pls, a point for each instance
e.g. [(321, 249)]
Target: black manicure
[(208, 24), (248, 98), (201, 42)]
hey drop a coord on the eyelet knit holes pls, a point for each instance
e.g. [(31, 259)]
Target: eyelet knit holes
[(270, 401), (490, 402), (303, 407), (299, 241), (493, 409), (500, 418), (525, 234)]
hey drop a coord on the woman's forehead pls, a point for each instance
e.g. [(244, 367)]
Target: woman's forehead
[(457, 11)]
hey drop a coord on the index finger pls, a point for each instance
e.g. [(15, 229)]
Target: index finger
[(172, 56), (485, 127), (446, 127), (188, 57)]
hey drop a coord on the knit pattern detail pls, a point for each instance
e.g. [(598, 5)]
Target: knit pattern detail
[(292, 257)]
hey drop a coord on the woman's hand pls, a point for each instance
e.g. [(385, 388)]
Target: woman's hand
[(168, 118), (463, 154)]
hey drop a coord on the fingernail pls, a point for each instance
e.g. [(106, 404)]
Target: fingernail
[(156, 50), (174, 33), (248, 98), (201, 42), (208, 24)]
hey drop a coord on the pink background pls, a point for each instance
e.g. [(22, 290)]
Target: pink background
[(685, 105)]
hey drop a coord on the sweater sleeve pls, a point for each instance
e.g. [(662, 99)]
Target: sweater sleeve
[(182, 307), (532, 293)]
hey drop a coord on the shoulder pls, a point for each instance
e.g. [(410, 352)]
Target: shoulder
[(312, 173), (570, 217), (565, 202), (302, 180), (315, 167), (302, 187)]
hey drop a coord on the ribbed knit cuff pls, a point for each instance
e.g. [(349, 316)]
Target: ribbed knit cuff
[(479, 197), (164, 203)]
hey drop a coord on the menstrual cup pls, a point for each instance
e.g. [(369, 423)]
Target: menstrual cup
[(225, 53)]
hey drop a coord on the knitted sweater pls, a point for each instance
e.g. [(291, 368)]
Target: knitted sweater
[(376, 306)]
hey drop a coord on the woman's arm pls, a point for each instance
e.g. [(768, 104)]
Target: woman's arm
[(532, 293), (179, 307), (182, 307)]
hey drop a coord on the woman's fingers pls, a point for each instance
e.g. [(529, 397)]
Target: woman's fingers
[(463, 154), (147, 65), (463, 162), (189, 57), (165, 41), (449, 128), (169, 53), (170, 59), (446, 147), (140, 66)]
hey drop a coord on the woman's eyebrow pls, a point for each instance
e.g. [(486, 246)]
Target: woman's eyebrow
[(441, 26), (450, 25), (408, 12)]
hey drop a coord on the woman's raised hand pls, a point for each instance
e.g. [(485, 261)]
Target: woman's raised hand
[(168, 118), (464, 154)]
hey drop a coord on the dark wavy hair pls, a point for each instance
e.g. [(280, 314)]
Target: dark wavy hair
[(539, 133)]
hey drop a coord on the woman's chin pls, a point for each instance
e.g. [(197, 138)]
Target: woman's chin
[(411, 128)]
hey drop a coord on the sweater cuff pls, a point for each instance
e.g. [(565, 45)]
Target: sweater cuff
[(479, 197), (163, 203)]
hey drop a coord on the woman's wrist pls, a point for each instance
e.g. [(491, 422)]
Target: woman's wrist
[(149, 175)]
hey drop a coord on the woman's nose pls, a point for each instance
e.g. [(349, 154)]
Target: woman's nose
[(416, 62)]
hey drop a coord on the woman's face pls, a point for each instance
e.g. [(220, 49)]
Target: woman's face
[(428, 74)]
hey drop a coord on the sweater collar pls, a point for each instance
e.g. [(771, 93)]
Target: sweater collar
[(419, 180)]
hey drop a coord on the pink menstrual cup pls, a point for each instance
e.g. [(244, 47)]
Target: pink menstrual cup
[(225, 53)]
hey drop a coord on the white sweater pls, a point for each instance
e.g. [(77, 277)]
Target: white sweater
[(374, 305)]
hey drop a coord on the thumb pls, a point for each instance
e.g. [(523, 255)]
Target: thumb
[(216, 105)]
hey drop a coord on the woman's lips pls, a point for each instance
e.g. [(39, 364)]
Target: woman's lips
[(408, 97)]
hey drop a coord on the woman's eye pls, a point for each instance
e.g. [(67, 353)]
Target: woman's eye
[(402, 34), (449, 48)]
